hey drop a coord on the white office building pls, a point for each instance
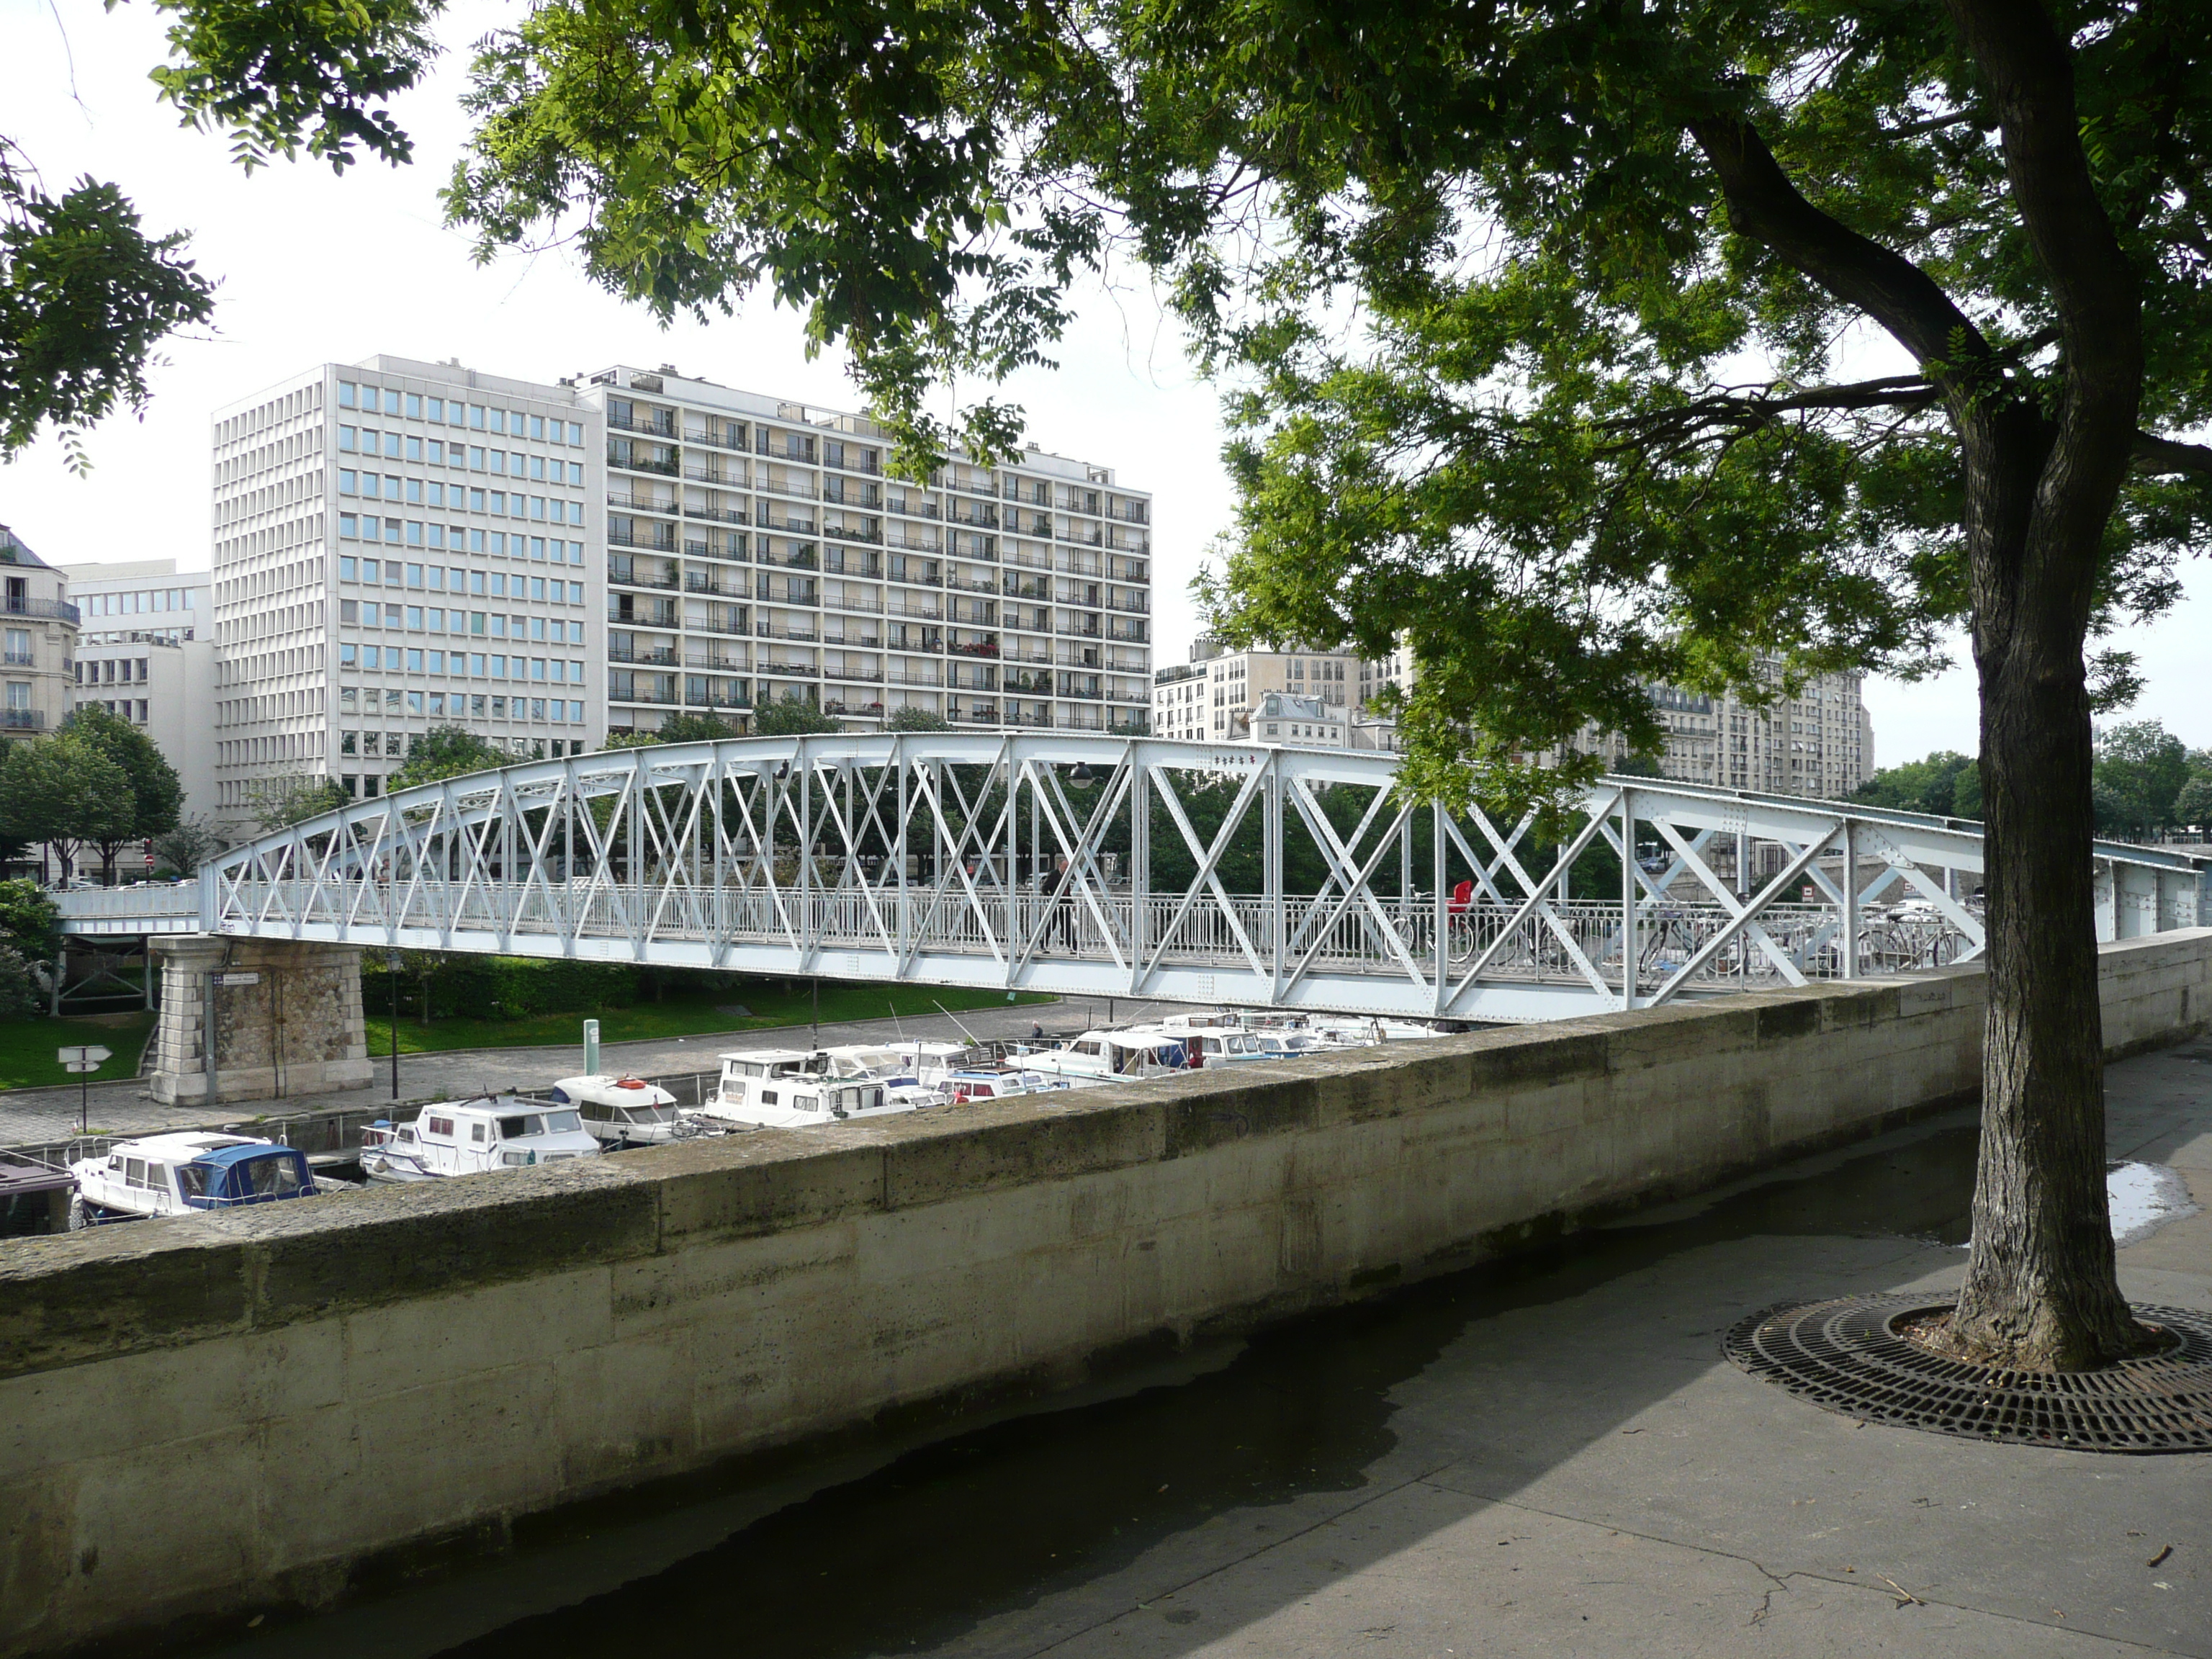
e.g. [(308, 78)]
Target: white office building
[(400, 545), (1216, 697), (145, 654)]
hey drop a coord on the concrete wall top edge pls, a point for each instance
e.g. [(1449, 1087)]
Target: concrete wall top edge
[(81, 1297)]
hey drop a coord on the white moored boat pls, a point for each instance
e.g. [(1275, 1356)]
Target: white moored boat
[(175, 1174), (795, 1088), (470, 1137), (1115, 1056), (619, 1111)]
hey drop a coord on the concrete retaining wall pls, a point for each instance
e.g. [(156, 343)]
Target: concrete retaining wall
[(203, 1416)]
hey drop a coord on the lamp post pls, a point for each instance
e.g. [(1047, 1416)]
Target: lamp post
[(393, 961)]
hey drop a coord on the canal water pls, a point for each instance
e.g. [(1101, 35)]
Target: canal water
[(873, 1546)]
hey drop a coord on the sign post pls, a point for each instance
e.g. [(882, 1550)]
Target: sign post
[(591, 1047), (84, 1061)]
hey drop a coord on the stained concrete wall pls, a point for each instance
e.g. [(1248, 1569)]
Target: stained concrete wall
[(204, 1416), (295, 1029)]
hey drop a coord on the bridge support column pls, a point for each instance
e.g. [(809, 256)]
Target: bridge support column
[(281, 1019)]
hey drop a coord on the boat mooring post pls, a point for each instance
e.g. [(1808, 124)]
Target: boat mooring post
[(591, 1047), (393, 961)]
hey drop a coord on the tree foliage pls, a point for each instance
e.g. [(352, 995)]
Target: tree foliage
[(281, 802), (155, 794), (913, 717), (191, 843), (448, 751), (2141, 770), (792, 717), (1946, 783), (63, 792), (29, 920), (85, 297)]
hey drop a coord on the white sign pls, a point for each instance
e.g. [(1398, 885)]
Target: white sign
[(238, 979), (81, 1065), (85, 1058)]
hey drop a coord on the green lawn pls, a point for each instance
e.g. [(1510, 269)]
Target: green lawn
[(26, 1047), (688, 1014)]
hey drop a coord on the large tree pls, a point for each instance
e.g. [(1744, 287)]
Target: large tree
[(156, 794), (60, 792), (448, 751), (1582, 344)]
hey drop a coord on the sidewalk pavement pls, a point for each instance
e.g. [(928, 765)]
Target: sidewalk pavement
[(1540, 1458), (30, 1117)]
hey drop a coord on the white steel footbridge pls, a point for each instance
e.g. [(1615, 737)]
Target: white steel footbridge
[(1279, 878)]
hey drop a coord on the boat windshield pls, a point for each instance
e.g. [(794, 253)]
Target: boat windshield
[(192, 1181), (513, 1128), (649, 1114)]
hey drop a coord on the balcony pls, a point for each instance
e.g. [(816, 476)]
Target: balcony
[(667, 468), (976, 648), (700, 582), (630, 503), (804, 559), (629, 577), (629, 539), (54, 610), (850, 533), (650, 429), (717, 514), (19, 660), (717, 665), (660, 656), (22, 720)]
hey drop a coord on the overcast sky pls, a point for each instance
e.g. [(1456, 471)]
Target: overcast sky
[(315, 267)]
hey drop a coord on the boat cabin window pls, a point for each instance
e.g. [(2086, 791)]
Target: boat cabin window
[(192, 1181), (275, 1176), (748, 1068), (476, 1132), (767, 1096), (561, 1123), (441, 1125), (649, 1114), (134, 1172), (511, 1128), (593, 1111), (1088, 1048), (560, 1094)]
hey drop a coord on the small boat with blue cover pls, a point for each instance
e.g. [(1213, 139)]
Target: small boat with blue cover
[(176, 1174)]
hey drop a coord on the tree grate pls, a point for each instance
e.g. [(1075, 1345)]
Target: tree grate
[(1846, 1356)]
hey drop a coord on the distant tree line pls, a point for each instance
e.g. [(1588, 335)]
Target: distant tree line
[(2144, 781)]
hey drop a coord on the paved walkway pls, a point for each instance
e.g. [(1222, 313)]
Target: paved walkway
[(1533, 1460), (42, 1117)]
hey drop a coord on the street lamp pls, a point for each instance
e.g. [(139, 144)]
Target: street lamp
[(393, 961)]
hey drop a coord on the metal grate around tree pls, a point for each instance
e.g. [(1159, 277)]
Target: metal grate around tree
[(1845, 1355)]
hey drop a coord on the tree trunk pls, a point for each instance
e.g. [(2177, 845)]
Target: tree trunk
[(2041, 1291)]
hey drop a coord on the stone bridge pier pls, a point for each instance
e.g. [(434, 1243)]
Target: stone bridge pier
[(276, 1018)]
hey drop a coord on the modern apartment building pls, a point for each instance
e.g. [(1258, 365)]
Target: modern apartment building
[(1213, 698), (398, 545), (38, 641), (756, 551)]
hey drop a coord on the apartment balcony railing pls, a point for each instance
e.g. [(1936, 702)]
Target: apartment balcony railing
[(650, 544), (634, 694), (728, 627), (718, 514), (639, 464), (19, 660), (804, 559), (796, 492), (908, 677), (851, 533), (22, 720), (698, 582), (631, 578), (658, 657), (715, 664), (976, 648), (651, 429), (630, 503)]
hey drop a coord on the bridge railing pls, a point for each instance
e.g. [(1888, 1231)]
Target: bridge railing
[(1370, 936)]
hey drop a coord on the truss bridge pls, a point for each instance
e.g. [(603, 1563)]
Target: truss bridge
[(1279, 877)]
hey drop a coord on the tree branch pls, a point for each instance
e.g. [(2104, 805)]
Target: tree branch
[(1763, 205), (1737, 414), (2160, 457)]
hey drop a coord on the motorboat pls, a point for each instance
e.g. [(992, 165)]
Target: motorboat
[(795, 1088), (470, 1137), (1000, 1082), (1357, 1032), (619, 1111), (925, 1063), (1217, 1047), (174, 1174), (1289, 1045), (1115, 1056)]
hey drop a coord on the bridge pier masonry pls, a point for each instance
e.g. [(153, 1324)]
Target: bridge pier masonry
[(280, 1017)]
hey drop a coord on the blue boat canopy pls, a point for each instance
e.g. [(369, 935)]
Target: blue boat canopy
[(257, 1173)]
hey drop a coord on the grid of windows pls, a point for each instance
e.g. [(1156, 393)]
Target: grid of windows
[(756, 551)]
